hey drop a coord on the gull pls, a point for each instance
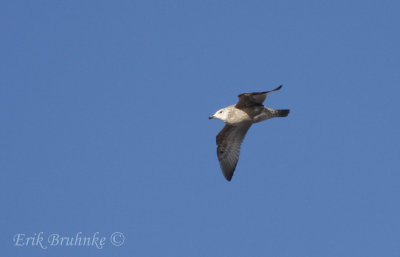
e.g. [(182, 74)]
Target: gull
[(238, 119)]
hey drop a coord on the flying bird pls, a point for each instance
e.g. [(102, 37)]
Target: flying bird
[(238, 119)]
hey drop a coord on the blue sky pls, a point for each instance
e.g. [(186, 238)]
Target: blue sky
[(104, 110)]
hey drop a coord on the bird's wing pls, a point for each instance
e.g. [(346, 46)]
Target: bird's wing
[(229, 140), (253, 99)]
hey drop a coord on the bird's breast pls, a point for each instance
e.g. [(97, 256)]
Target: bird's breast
[(238, 116)]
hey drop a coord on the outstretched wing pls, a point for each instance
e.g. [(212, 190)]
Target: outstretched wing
[(229, 140), (253, 99)]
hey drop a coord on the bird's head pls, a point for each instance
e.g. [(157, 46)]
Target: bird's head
[(221, 114)]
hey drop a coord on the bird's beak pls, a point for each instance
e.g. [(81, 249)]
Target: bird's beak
[(211, 117)]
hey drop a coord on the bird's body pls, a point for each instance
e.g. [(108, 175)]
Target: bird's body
[(238, 119), (252, 114)]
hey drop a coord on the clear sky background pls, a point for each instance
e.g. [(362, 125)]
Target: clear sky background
[(104, 127)]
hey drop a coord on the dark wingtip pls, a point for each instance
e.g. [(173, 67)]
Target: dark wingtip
[(228, 178), (273, 90), (283, 113), (228, 174)]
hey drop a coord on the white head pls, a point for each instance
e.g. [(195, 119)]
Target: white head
[(221, 114)]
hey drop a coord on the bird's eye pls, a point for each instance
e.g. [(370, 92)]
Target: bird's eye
[(220, 111)]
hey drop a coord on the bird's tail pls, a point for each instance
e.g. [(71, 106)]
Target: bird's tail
[(282, 113)]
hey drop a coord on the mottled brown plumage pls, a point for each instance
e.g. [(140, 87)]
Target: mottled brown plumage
[(238, 119)]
